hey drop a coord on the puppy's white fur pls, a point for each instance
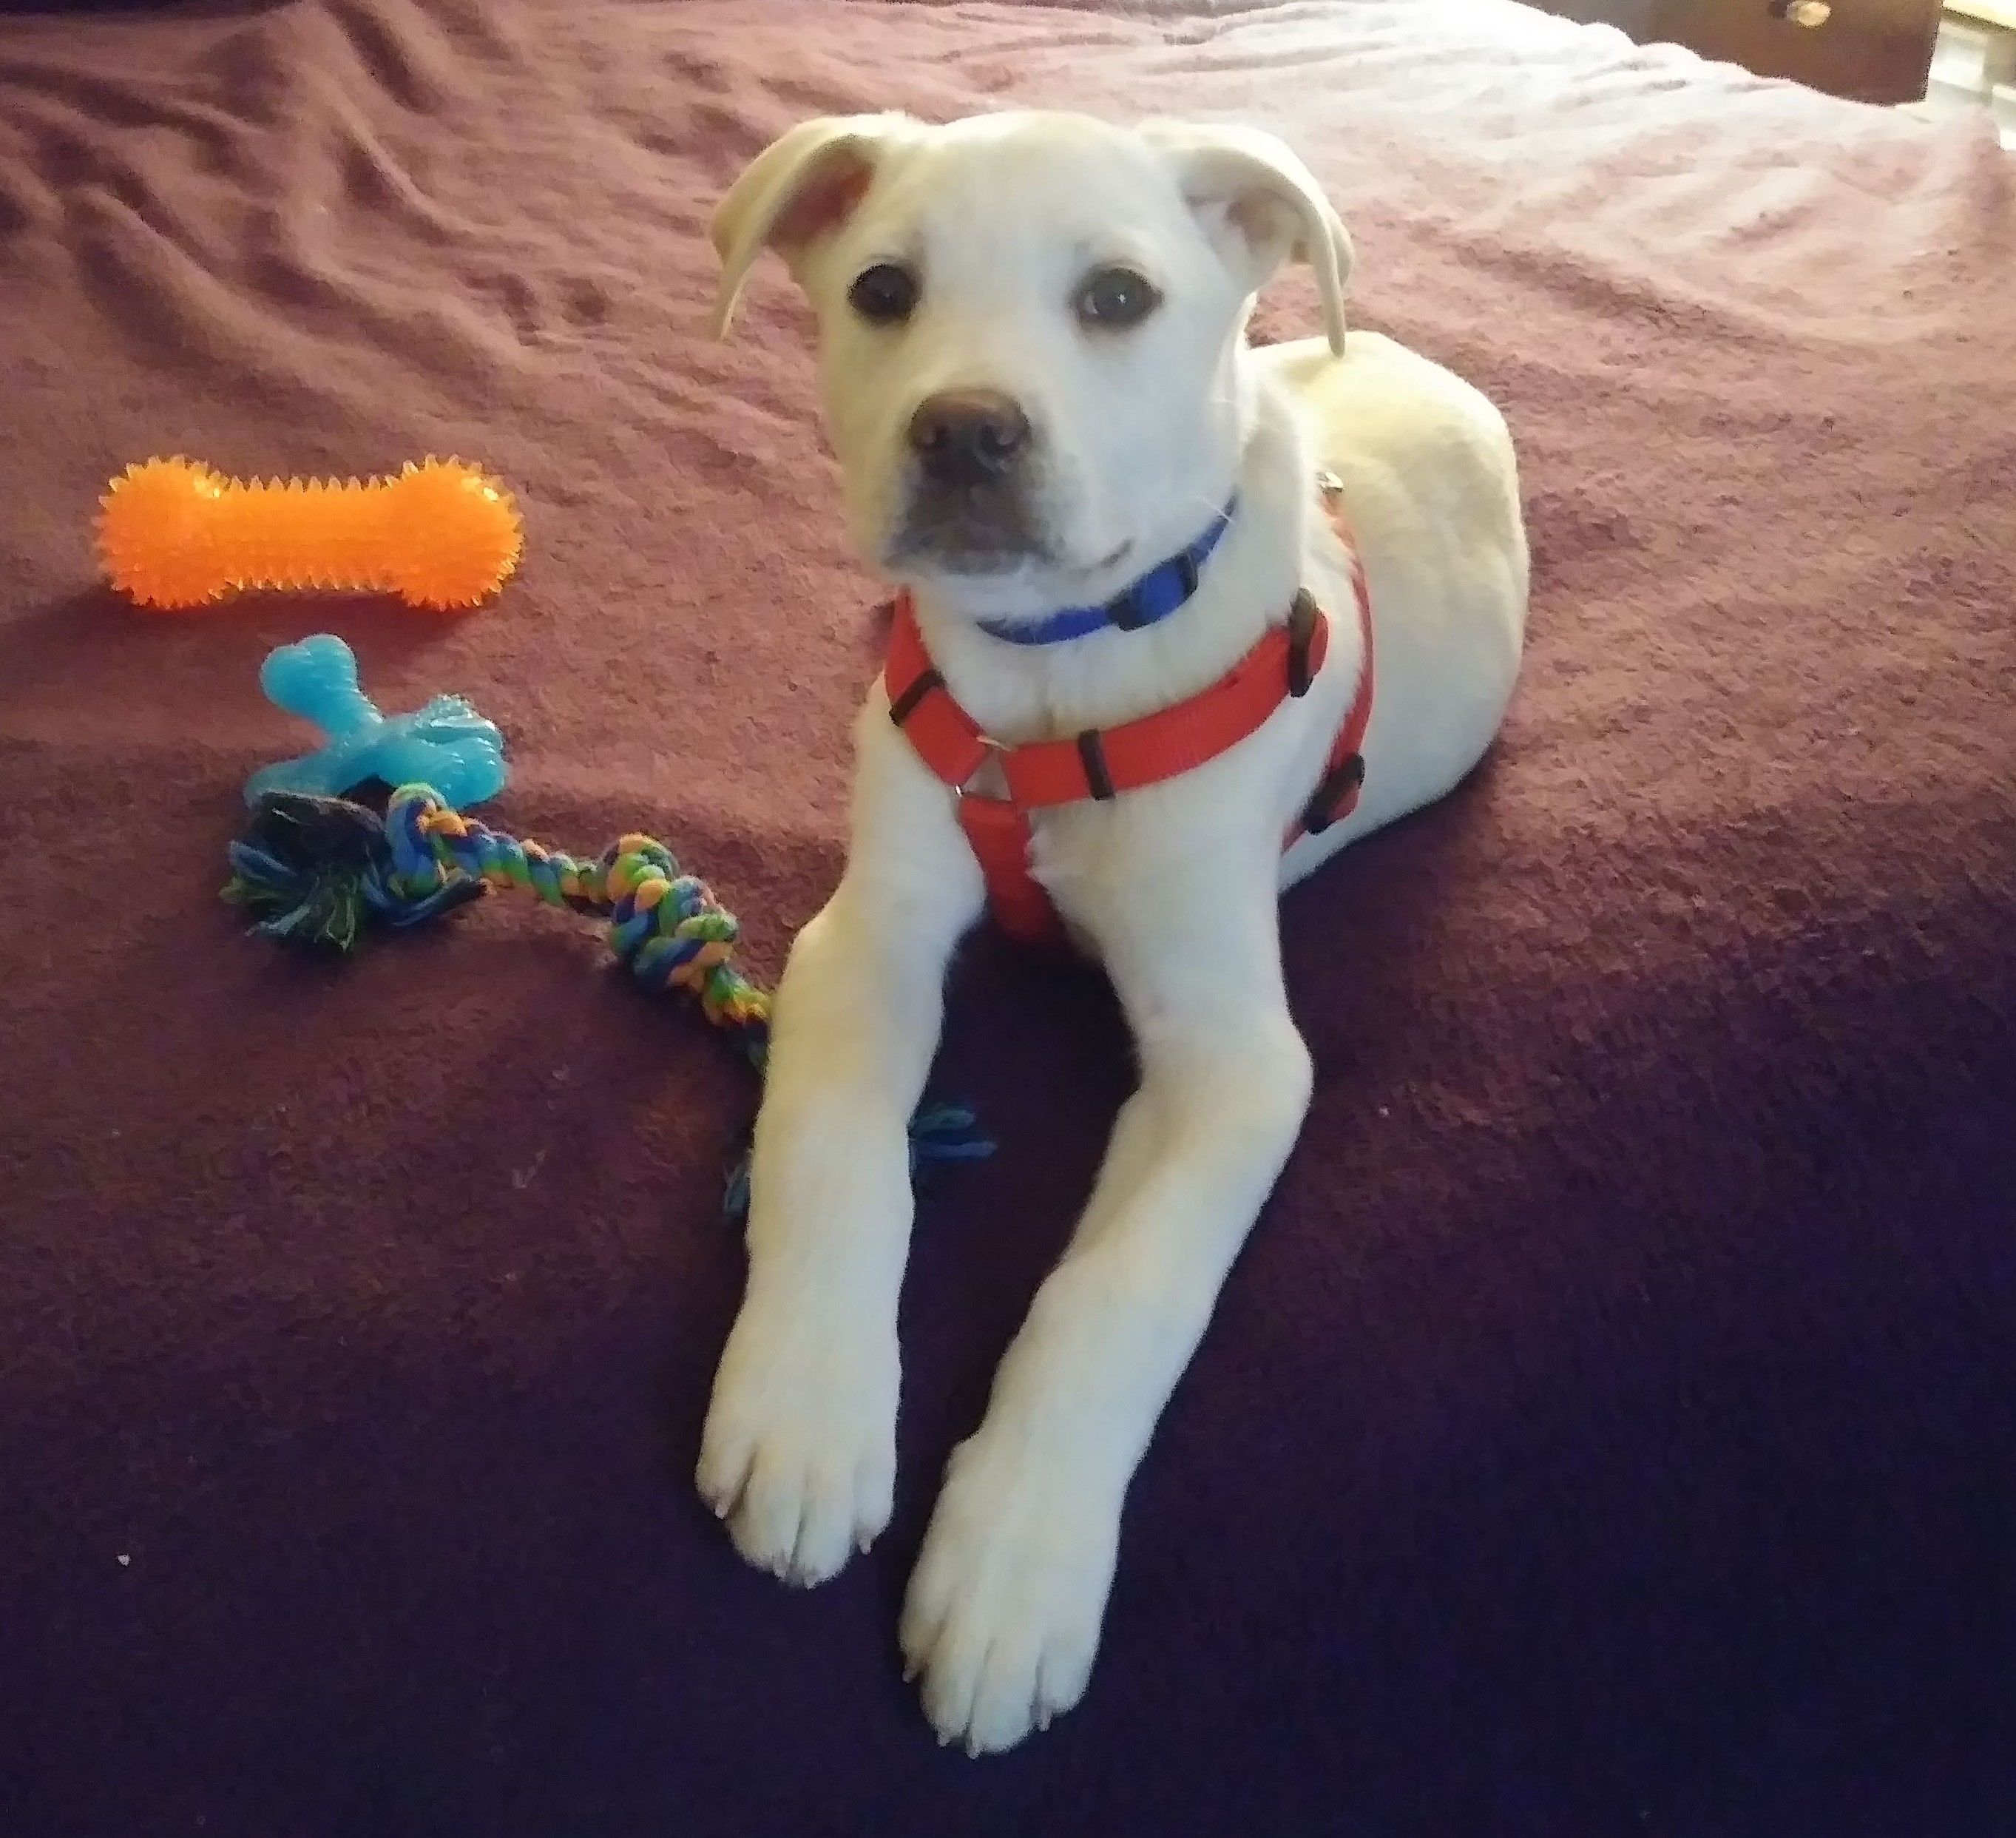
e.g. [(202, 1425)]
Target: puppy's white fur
[(1139, 438)]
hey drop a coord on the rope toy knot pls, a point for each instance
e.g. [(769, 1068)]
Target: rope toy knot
[(664, 925), (320, 871)]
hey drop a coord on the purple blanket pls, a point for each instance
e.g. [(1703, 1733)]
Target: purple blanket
[(1610, 1429)]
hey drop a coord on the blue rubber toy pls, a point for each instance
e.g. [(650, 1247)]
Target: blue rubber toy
[(446, 744)]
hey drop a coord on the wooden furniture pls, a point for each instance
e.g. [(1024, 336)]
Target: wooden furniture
[(1868, 50), (1997, 18)]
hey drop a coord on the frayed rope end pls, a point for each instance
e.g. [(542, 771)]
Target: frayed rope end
[(939, 1132)]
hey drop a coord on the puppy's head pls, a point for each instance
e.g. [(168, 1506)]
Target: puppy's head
[(1028, 326)]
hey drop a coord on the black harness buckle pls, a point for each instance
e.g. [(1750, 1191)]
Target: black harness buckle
[(1303, 614), (1336, 797), (903, 706), (1092, 756)]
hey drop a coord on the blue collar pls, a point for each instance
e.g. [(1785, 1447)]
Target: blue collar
[(1155, 595)]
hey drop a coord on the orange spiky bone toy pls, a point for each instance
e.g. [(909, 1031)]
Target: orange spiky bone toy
[(174, 534)]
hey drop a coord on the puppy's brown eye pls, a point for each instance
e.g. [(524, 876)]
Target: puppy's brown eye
[(1115, 298), (885, 294)]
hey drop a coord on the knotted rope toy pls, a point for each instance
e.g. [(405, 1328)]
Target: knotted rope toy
[(173, 534), (320, 872)]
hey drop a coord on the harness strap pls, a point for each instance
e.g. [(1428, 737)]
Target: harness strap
[(1336, 795), (1100, 763)]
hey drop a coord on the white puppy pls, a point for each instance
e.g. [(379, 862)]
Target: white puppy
[(1036, 379)]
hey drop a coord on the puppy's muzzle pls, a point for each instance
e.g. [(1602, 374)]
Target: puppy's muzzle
[(973, 453)]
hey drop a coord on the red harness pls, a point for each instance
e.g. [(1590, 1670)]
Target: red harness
[(1103, 762)]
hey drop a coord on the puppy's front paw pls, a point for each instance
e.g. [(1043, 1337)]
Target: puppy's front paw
[(1003, 1613), (799, 1455)]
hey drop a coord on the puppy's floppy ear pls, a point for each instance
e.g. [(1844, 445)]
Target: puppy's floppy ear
[(794, 192), (1262, 205)]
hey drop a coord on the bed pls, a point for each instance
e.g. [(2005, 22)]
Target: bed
[(1611, 1426)]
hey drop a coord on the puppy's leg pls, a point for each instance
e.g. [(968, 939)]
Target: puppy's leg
[(1003, 1613), (799, 1451)]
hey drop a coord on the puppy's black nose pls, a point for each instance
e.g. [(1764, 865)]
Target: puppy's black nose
[(968, 436)]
